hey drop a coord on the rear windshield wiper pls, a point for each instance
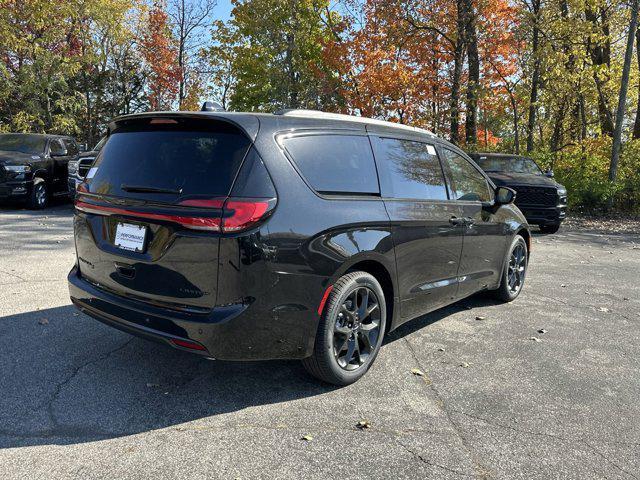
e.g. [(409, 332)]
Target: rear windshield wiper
[(143, 189)]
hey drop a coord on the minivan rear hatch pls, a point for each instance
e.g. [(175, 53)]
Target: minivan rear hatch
[(153, 207)]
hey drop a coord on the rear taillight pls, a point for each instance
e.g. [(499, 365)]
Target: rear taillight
[(235, 215), (242, 214)]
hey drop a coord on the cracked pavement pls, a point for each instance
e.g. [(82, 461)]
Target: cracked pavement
[(81, 400)]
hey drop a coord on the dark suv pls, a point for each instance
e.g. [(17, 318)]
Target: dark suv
[(299, 235), (33, 167), (543, 201)]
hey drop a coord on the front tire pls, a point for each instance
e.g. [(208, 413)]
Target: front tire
[(515, 271), (551, 228), (39, 195), (350, 331)]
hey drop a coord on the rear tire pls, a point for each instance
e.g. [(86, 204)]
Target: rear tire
[(552, 228), (39, 195), (351, 330), (515, 271)]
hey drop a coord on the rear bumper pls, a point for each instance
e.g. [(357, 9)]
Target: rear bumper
[(544, 215), (233, 332)]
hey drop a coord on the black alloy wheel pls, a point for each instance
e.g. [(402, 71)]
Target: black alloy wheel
[(515, 270), (357, 328), (351, 330)]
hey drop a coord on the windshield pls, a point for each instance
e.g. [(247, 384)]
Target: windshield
[(99, 144), (15, 142), (509, 164)]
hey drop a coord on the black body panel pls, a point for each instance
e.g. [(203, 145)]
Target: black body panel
[(264, 284)]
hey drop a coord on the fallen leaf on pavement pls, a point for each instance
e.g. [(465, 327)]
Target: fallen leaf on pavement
[(542, 330), (464, 365), (43, 321), (417, 372), (307, 438), (363, 425), (603, 309), (535, 339), (479, 317)]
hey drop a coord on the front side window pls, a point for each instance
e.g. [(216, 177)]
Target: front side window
[(72, 148), (335, 163), (56, 147), (467, 183), (410, 169)]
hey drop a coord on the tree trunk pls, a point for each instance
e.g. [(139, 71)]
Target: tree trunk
[(636, 125), (622, 97), (535, 77), (600, 53), (516, 123), (471, 123), (458, 60), (181, 48)]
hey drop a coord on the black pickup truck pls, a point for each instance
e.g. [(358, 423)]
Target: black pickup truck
[(33, 167), (542, 200)]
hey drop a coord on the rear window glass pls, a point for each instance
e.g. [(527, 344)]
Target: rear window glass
[(335, 163), (187, 159)]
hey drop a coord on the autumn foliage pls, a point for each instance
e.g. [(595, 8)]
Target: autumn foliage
[(159, 53)]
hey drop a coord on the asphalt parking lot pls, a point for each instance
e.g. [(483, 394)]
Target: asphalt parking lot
[(498, 399)]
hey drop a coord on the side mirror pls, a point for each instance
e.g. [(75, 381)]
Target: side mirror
[(505, 195), (549, 173)]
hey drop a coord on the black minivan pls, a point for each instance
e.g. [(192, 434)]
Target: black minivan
[(299, 235)]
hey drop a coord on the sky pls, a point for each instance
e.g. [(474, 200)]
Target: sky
[(222, 10)]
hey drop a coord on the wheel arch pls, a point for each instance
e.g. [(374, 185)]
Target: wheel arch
[(382, 274), (526, 234)]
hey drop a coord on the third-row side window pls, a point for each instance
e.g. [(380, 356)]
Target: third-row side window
[(335, 163)]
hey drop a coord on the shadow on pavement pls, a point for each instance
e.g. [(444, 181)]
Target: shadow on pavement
[(67, 379)]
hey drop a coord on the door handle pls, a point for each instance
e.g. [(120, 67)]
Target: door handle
[(468, 221)]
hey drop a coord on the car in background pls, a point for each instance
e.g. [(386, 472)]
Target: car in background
[(542, 200), (33, 167), (297, 235), (79, 168)]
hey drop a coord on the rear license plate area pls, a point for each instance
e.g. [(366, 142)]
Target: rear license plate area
[(130, 237)]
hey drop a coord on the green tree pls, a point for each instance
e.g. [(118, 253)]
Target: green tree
[(277, 54)]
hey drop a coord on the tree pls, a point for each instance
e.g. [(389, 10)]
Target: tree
[(622, 97), (160, 53), (277, 54), (636, 125), (189, 18)]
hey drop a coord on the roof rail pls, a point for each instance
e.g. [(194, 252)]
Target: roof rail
[(302, 113)]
